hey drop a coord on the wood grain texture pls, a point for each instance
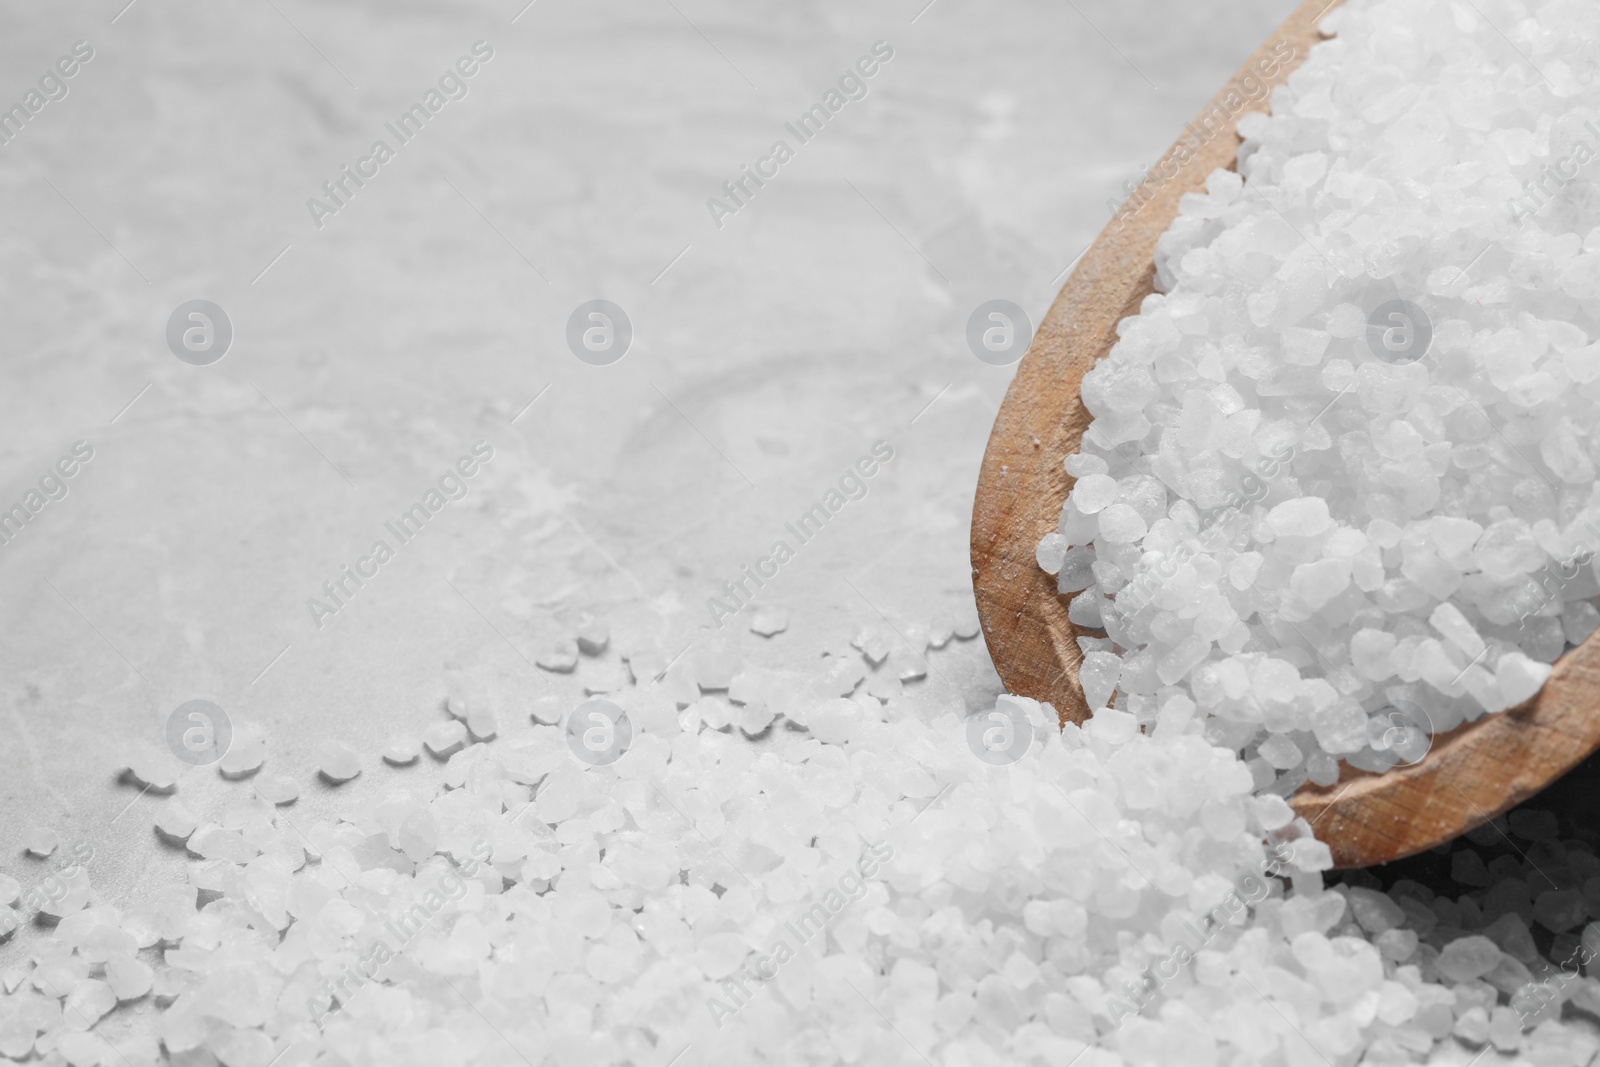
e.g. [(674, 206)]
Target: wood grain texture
[(1469, 775)]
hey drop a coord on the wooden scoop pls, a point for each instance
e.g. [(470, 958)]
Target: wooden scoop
[(1470, 775)]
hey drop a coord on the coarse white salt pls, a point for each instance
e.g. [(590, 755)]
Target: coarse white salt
[(481, 722), (242, 759), (1370, 461), (337, 762), (401, 750), (129, 978), (39, 841), (446, 738), (977, 886), (153, 770), (276, 788), (769, 620), (175, 821), (561, 657), (593, 636)]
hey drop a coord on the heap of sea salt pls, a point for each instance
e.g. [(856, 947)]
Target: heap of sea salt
[(1339, 491), (866, 882)]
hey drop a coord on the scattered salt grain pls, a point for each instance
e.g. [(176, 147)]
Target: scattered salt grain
[(561, 657), (337, 762), (1120, 524), (401, 750), (277, 788), (129, 978), (175, 821), (1531, 824), (606, 678), (1519, 677), (156, 771), (966, 625), (242, 759), (768, 621), (88, 1001), (81, 1049), (1468, 957), (446, 738), (481, 722), (593, 636), (873, 644), (39, 841), (1093, 493)]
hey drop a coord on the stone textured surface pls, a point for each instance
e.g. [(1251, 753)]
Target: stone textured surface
[(428, 312)]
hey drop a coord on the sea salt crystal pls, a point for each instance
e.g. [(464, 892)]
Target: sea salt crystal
[(1093, 493), (242, 759), (755, 719), (401, 749), (966, 625), (1098, 675), (1519, 677), (445, 738), (1051, 552), (1375, 911), (153, 770), (1559, 910), (89, 1000), (128, 978), (1281, 752), (236, 1047), (593, 636), (769, 620), (873, 644), (1121, 524), (1453, 626), (606, 678), (276, 788), (81, 1049), (1531, 824), (1505, 1029), (175, 821), (1579, 619), (1469, 957), (560, 657), (39, 841), (1473, 1025), (337, 762), (481, 722), (1302, 517)]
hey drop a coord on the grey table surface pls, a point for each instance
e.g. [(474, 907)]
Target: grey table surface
[(769, 350)]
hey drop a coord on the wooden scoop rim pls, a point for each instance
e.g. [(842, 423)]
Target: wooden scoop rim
[(1469, 775)]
